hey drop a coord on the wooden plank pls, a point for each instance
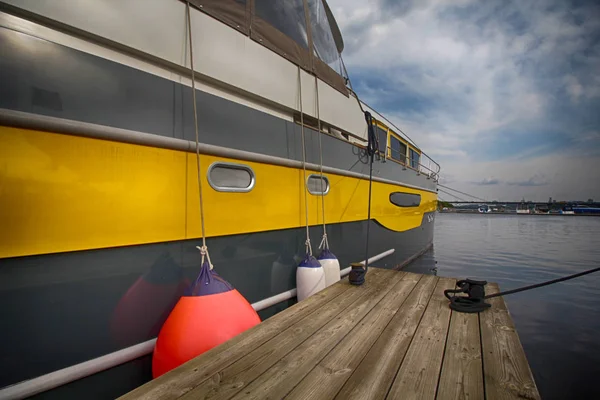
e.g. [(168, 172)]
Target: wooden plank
[(229, 381), (279, 380), (462, 374), (505, 368), (420, 369), (375, 374), (326, 379), (181, 380)]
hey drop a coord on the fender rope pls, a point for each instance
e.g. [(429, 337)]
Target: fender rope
[(204, 248)]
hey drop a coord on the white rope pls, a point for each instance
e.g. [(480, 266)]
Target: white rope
[(308, 246), (203, 249), (204, 253), (324, 242)]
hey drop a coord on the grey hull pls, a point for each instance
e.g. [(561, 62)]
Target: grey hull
[(63, 309)]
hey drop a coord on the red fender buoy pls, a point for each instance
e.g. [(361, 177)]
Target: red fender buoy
[(210, 314)]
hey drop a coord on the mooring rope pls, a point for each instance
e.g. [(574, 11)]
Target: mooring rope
[(371, 149), (474, 302), (308, 245), (204, 248), (537, 285)]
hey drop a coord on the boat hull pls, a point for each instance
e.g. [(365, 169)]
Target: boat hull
[(96, 227)]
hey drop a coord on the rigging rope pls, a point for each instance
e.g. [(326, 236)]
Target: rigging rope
[(308, 245), (351, 88), (203, 249), (324, 242), (387, 120), (466, 194), (453, 195)]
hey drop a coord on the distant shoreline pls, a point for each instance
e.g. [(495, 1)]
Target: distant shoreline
[(514, 213)]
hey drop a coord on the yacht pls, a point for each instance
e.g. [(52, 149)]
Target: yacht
[(130, 130)]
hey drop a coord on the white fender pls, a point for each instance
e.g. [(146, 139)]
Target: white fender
[(331, 267), (310, 277)]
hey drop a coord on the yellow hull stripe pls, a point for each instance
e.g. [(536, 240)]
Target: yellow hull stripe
[(63, 193)]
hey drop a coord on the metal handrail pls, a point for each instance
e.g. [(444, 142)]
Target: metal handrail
[(400, 132), (70, 374), (420, 167)]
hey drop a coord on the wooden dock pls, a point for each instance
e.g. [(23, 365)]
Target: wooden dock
[(393, 337)]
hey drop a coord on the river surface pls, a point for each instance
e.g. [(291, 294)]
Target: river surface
[(559, 325)]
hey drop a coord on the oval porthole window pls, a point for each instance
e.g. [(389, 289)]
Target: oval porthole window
[(230, 177), (402, 199), (317, 185)]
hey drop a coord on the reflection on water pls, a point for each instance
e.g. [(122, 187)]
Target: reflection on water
[(559, 325)]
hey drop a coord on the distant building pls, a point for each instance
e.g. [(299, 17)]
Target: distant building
[(590, 200), (550, 200)]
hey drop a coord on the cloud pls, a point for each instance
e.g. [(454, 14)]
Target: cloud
[(569, 177), (573, 88), (487, 181), (532, 181), (475, 83), (447, 178)]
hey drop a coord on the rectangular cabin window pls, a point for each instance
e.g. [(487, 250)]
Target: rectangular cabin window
[(398, 149), (323, 42), (382, 139), (414, 159), (287, 16)]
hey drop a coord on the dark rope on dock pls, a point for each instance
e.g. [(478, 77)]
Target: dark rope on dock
[(474, 302), (537, 285)]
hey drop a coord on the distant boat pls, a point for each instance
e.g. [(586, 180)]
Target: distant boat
[(484, 209), (583, 209), (567, 210), (523, 209)]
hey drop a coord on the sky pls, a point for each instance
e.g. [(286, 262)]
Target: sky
[(505, 95)]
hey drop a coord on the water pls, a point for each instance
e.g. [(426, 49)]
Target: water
[(559, 325)]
